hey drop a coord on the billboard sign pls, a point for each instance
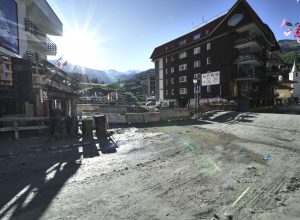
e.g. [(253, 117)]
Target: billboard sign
[(9, 38), (212, 78)]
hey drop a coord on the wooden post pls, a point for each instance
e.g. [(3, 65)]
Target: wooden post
[(16, 131), (38, 106), (73, 107)]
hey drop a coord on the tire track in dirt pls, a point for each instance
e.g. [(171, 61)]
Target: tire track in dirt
[(261, 198)]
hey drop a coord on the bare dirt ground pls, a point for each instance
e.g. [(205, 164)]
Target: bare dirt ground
[(241, 164)]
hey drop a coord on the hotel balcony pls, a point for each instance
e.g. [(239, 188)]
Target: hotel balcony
[(253, 59), (248, 42), (255, 76), (33, 57), (274, 60), (39, 39), (44, 17)]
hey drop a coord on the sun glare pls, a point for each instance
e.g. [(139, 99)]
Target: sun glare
[(81, 48)]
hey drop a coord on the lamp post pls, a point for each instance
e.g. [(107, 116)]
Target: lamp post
[(195, 80)]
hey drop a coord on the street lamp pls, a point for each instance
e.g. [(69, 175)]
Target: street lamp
[(195, 80)]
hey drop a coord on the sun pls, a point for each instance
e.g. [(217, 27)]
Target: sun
[(81, 48)]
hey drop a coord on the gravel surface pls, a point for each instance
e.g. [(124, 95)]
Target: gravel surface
[(240, 164)]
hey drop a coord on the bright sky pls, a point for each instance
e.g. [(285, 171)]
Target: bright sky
[(121, 34)]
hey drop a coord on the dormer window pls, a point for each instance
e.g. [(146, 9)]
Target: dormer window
[(183, 42), (197, 36)]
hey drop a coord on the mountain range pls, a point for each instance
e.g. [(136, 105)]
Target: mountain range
[(86, 75)]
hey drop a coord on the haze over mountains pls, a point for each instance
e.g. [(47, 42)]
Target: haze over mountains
[(102, 76), (85, 74)]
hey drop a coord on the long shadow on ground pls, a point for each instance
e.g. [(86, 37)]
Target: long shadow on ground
[(232, 117), (30, 181), (161, 124)]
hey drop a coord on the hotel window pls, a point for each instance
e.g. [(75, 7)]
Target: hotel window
[(197, 76), (167, 92), (172, 58), (197, 63), (166, 71), (172, 81), (183, 91), (172, 69), (208, 88), (208, 46), (182, 67), (182, 55), (208, 60), (206, 32), (166, 59), (197, 36), (172, 91), (167, 82), (197, 50), (183, 42), (182, 79)]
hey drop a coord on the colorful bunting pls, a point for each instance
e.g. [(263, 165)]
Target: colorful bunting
[(292, 26), (287, 32)]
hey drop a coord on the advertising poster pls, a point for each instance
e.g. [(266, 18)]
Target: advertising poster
[(9, 26)]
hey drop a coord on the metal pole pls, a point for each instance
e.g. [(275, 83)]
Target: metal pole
[(197, 95), (195, 100)]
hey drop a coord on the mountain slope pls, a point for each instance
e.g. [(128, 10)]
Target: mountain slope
[(289, 45), (291, 51), (149, 72)]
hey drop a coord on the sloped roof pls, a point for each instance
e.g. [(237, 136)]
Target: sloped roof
[(294, 69), (174, 44), (212, 27)]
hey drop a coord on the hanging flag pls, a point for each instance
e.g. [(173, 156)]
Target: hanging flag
[(287, 32), (65, 64), (283, 23), (58, 63), (297, 32)]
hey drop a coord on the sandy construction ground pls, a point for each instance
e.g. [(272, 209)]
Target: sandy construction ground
[(241, 164)]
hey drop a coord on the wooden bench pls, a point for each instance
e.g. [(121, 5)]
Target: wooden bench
[(16, 128)]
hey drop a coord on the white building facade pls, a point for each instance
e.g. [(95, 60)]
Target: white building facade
[(294, 75)]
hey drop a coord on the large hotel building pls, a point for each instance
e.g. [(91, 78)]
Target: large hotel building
[(234, 56)]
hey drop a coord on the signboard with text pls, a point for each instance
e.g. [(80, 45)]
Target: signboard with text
[(212, 78)]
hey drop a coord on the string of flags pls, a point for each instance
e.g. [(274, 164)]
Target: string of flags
[(60, 64), (291, 27), (295, 27)]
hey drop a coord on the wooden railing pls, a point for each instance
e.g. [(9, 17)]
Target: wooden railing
[(16, 126)]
